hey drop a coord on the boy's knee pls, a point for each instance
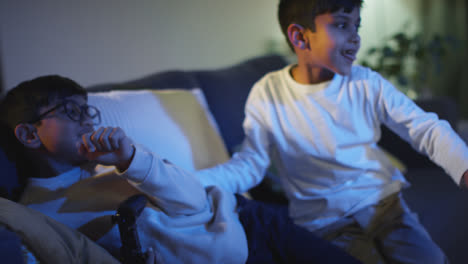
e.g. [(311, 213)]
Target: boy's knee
[(412, 246)]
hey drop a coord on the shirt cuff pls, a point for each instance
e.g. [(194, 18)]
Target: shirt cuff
[(140, 166)]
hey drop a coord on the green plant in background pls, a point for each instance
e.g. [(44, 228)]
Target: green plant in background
[(410, 61)]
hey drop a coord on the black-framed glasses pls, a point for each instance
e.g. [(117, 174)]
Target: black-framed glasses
[(74, 111)]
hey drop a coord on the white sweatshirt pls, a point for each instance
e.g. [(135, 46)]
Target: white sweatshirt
[(322, 139), (184, 222)]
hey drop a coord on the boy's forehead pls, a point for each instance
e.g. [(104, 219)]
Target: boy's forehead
[(80, 99), (342, 12), (355, 14)]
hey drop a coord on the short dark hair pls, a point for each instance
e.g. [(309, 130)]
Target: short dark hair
[(304, 12), (21, 104)]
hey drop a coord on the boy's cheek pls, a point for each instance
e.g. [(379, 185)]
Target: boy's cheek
[(81, 147)]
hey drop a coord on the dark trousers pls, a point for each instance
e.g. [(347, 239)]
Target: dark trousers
[(272, 237)]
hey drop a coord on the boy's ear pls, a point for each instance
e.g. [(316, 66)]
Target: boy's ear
[(27, 135), (296, 36)]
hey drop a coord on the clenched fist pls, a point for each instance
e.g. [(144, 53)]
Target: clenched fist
[(108, 146)]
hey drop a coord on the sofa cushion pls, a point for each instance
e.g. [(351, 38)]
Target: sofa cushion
[(174, 124), (226, 92), (172, 79), (10, 246), (442, 207), (225, 89), (9, 179)]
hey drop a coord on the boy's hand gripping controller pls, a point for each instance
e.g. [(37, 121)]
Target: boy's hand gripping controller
[(126, 217)]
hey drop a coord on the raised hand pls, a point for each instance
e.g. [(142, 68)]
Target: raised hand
[(108, 146)]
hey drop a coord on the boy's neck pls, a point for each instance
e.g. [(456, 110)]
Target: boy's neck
[(310, 75), (49, 167)]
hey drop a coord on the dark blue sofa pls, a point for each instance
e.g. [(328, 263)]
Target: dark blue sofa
[(440, 204)]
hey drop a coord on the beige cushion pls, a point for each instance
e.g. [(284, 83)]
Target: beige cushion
[(174, 124), (395, 161), (50, 241)]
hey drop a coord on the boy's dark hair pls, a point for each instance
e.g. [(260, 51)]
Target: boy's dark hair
[(303, 12), (21, 103)]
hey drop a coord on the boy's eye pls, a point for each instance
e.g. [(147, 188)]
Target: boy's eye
[(73, 110), (341, 25), (345, 25), (91, 111)]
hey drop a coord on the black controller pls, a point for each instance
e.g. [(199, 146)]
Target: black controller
[(126, 217)]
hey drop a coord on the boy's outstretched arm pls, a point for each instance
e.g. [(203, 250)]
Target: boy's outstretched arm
[(465, 179)]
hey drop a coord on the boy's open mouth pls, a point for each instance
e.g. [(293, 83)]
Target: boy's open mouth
[(350, 54)]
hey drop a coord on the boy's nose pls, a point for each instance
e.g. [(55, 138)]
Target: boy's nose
[(86, 120), (355, 38)]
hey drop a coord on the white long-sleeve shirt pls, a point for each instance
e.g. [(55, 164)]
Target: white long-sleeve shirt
[(184, 222), (322, 139)]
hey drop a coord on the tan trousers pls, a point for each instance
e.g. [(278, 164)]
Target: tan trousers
[(385, 233)]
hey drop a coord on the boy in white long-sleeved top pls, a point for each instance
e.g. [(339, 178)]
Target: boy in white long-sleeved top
[(184, 222), (318, 122)]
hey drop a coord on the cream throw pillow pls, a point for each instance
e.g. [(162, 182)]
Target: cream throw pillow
[(175, 124)]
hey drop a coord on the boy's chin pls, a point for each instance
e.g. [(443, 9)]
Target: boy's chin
[(340, 69), (81, 160), (344, 71)]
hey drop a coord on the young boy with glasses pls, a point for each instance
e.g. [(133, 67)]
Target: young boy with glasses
[(184, 222)]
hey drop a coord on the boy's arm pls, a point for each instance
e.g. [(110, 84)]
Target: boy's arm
[(424, 131), (173, 190), (247, 167), (464, 181)]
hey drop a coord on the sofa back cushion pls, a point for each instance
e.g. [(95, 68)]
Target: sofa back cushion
[(226, 92), (174, 124)]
